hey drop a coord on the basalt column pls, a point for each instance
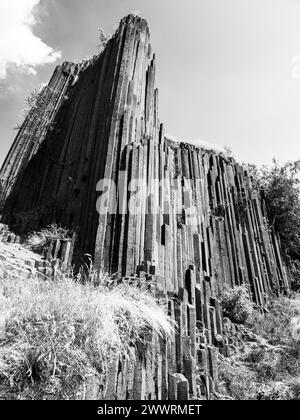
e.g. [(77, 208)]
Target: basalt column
[(191, 209), (135, 119), (109, 107), (33, 130)]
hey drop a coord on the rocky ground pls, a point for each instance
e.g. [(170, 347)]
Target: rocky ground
[(264, 360), (16, 259)]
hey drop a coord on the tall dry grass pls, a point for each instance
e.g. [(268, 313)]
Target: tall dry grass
[(36, 241), (57, 334)]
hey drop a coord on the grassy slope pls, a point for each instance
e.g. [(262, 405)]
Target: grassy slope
[(56, 335), (267, 366)]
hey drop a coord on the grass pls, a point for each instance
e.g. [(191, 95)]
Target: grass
[(41, 239), (236, 379), (58, 334), (269, 367), (281, 325)]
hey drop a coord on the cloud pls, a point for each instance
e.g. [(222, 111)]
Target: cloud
[(18, 45)]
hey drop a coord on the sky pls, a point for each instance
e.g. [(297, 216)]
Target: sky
[(228, 71)]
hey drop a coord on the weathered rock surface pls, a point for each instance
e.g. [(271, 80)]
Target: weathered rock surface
[(17, 260)]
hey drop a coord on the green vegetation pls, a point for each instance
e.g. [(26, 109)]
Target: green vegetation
[(280, 186), (103, 40), (266, 364), (236, 304), (58, 334), (267, 367), (42, 238)]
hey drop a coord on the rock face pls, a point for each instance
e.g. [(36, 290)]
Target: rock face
[(34, 129), (189, 220)]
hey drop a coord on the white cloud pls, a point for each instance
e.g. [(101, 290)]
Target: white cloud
[(18, 45)]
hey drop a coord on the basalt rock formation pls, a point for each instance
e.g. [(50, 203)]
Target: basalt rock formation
[(189, 220), (34, 129)]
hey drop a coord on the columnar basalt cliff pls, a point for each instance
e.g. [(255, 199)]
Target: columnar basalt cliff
[(152, 210), (34, 129)]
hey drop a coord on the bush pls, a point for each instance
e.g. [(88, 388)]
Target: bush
[(280, 186), (236, 304), (279, 325), (38, 240), (294, 269), (274, 392), (268, 366), (281, 328), (236, 379), (58, 334)]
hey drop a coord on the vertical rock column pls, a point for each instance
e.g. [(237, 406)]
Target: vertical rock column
[(34, 129), (130, 156)]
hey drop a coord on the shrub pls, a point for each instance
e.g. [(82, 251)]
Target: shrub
[(278, 325), (42, 238), (294, 269), (236, 304), (294, 385), (267, 366), (274, 391), (280, 186), (60, 333), (103, 40), (236, 379)]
